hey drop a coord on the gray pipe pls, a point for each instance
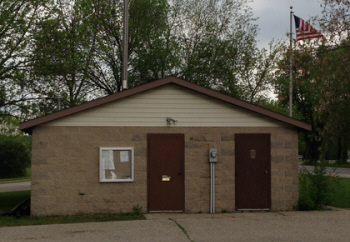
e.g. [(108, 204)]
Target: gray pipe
[(212, 187)]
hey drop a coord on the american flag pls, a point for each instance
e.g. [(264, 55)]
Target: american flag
[(305, 30)]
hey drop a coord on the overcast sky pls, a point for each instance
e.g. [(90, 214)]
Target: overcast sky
[(274, 17)]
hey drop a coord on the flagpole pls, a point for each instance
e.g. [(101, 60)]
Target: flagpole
[(291, 66)]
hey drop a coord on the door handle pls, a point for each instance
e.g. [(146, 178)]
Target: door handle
[(266, 172)]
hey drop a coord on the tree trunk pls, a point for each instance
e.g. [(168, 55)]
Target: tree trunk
[(312, 149), (344, 152), (339, 151)]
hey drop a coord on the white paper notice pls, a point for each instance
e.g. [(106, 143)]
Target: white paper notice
[(124, 156), (108, 161)]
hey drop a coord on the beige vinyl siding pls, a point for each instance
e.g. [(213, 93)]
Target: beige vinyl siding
[(151, 108)]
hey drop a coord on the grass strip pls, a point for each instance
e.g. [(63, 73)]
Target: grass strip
[(64, 219), (9, 200), (182, 228)]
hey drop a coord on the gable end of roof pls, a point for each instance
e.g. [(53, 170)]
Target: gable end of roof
[(29, 125)]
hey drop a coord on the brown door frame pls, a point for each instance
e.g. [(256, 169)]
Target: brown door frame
[(246, 173), (178, 172)]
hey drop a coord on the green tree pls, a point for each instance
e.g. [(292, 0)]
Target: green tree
[(16, 22), (258, 68), (65, 42), (211, 43), (217, 47), (151, 46), (14, 156), (76, 49), (9, 126), (216, 40), (106, 68), (335, 21), (334, 76), (306, 93), (334, 73), (152, 43), (321, 84)]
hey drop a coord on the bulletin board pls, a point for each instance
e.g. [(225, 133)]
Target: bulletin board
[(116, 164)]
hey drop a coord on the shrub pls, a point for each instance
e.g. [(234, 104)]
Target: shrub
[(14, 156), (137, 210), (316, 189)]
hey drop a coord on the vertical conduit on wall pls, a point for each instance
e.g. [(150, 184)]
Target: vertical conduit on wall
[(212, 187), (212, 160)]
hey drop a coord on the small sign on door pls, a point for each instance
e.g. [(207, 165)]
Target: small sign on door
[(253, 154), (166, 178)]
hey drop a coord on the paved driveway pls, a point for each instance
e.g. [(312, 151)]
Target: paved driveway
[(259, 226), (15, 186)]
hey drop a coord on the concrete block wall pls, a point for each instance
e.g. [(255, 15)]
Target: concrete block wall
[(65, 161)]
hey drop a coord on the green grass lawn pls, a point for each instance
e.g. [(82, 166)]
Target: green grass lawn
[(339, 165), (80, 218), (25, 177), (342, 193), (11, 199)]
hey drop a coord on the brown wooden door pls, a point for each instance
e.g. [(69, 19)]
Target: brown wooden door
[(165, 173), (253, 168)]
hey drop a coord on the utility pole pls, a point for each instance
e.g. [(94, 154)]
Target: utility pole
[(125, 45), (291, 66)]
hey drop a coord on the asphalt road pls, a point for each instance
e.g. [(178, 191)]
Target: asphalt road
[(259, 226), (15, 186), (341, 172)]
